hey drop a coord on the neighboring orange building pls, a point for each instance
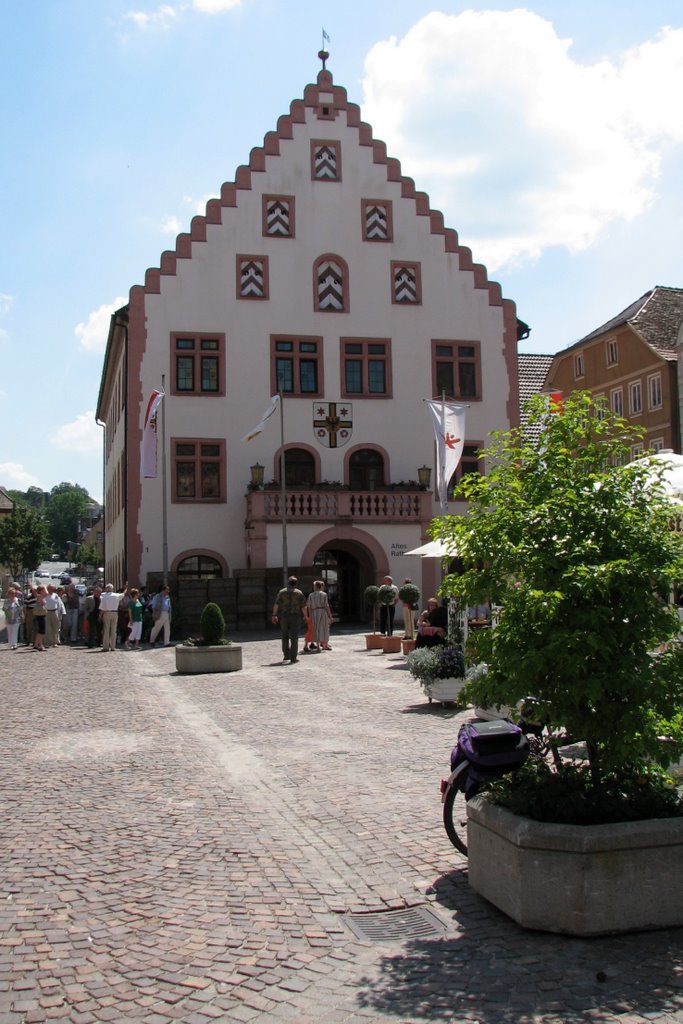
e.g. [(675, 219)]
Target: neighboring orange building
[(631, 362)]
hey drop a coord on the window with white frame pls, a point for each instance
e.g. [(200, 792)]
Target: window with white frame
[(579, 368), (612, 352), (600, 405), (654, 391), (635, 398), (636, 451), (616, 396), (657, 444)]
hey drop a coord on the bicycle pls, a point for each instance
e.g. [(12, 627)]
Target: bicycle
[(484, 751)]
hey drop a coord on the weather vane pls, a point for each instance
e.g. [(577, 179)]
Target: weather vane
[(323, 54)]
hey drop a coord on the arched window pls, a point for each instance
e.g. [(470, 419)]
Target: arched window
[(299, 468), (199, 567), (366, 470), (330, 284)]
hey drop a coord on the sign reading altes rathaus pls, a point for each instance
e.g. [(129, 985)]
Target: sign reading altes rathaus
[(332, 423)]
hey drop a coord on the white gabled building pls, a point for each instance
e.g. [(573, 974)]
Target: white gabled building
[(323, 271)]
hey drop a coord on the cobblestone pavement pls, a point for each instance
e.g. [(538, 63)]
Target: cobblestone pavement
[(180, 848)]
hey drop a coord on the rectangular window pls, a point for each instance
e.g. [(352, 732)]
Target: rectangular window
[(579, 369), (635, 398), (296, 365), (456, 370), (198, 364), (469, 463), (278, 216), (636, 451), (600, 405), (657, 444), (617, 401), (366, 367), (612, 352), (377, 220), (198, 469), (654, 391)]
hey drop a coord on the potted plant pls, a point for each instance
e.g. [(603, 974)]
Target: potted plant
[(387, 596), (373, 642), (440, 671), (580, 552), (410, 595), (210, 652)]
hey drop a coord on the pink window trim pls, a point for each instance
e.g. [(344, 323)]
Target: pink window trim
[(197, 458), (219, 353), (295, 356), (417, 268), (365, 358), (390, 219), (343, 266), (476, 345), (333, 144), (264, 215), (260, 258)]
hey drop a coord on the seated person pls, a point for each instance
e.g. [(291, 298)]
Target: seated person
[(432, 625)]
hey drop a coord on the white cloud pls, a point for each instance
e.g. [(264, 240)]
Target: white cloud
[(81, 436), (493, 117), (14, 476), (5, 303), (171, 225), (93, 334), (157, 21), (215, 6), (166, 15)]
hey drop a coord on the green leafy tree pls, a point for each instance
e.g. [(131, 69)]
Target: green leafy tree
[(86, 554), (579, 551), (23, 540), (66, 507)]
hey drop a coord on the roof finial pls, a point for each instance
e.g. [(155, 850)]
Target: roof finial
[(324, 54)]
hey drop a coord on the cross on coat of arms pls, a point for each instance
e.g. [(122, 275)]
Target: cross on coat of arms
[(332, 423)]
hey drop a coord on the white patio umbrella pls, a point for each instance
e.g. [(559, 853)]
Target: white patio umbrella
[(432, 549), (672, 477)]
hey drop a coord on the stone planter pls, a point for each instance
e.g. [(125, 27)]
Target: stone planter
[(444, 690), (391, 644), (407, 646), (197, 660), (373, 641), (577, 879)]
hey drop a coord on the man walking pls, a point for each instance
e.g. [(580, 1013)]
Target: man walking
[(388, 611), (288, 611)]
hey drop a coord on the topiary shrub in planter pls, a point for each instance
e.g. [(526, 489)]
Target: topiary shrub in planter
[(578, 550), (371, 597), (210, 652)]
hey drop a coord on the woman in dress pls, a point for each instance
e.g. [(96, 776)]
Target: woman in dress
[(320, 614)]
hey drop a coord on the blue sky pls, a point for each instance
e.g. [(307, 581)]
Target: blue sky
[(550, 136)]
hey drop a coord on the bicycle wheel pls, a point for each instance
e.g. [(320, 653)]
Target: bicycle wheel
[(455, 818)]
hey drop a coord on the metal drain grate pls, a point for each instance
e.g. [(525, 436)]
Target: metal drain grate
[(397, 925)]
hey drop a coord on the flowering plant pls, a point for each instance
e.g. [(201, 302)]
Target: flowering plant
[(429, 663)]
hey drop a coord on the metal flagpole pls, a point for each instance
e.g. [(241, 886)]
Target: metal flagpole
[(164, 513), (283, 489)]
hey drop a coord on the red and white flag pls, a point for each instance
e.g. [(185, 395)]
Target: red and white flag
[(148, 454), (449, 430)]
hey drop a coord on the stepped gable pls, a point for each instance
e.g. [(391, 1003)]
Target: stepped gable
[(229, 193)]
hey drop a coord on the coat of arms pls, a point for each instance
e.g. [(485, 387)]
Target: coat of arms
[(332, 423)]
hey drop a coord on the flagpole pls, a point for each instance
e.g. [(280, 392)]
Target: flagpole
[(164, 512), (443, 497), (283, 489)]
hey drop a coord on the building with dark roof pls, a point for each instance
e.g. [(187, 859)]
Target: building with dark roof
[(631, 363), (532, 370)]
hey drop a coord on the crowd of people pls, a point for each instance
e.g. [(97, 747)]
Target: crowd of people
[(47, 616)]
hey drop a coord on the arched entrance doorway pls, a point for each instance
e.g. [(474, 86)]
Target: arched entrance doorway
[(347, 566)]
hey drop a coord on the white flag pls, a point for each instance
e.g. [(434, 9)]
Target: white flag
[(148, 454), (266, 416), (449, 429)]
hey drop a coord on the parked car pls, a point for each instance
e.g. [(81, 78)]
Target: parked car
[(81, 589), (42, 574)]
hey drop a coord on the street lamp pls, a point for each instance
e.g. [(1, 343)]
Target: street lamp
[(256, 475)]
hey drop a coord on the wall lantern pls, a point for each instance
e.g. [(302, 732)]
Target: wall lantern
[(424, 475), (256, 475)]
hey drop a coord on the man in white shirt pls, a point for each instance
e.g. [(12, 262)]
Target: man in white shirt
[(109, 614)]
